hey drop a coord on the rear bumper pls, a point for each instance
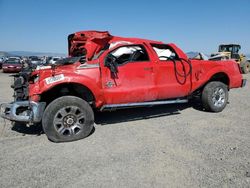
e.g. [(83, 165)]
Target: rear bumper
[(23, 111), (243, 82)]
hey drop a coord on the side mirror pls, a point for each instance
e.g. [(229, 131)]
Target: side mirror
[(110, 59), (110, 62)]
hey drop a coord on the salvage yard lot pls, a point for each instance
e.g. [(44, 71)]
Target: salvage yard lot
[(164, 146)]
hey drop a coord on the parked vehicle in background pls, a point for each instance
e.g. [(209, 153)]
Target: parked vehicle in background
[(34, 60), (54, 60), (12, 65), (1, 61), (14, 58), (231, 51), (47, 59)]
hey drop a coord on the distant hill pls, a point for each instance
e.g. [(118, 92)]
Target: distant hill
[(191, 54), (27, 53), (4, 54)]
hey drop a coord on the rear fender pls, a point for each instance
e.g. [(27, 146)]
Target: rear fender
[(228, 68)]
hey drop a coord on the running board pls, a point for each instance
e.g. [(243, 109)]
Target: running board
[(141, 104)]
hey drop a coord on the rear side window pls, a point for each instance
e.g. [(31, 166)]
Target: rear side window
[(125, 54), (163, 51)]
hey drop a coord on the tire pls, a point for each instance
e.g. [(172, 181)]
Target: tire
[(246, 67), (68, 119), (215, 96)]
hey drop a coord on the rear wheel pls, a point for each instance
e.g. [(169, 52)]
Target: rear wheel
[(67, 119), (215, 96)]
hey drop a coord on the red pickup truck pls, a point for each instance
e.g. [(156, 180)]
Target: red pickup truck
[(105, 72)]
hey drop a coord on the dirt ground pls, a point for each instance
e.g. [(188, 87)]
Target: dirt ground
[(164, 146)]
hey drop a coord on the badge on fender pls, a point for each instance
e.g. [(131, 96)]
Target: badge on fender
[(53, 79)]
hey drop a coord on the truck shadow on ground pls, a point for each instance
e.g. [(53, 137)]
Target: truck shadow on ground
[(119, 116), (31, 130)]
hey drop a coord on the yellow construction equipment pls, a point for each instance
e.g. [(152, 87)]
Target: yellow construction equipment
[(231, 51)]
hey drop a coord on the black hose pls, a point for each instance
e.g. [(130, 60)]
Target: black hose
[(190, 65), (185, 74), (178, 74)]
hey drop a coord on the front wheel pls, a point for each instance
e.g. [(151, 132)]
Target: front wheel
[(67, 119), (215, 96)]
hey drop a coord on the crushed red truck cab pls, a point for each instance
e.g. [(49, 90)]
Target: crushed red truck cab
[(105, 72)]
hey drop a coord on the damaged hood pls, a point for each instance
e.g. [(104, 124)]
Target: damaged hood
[(87, 43)]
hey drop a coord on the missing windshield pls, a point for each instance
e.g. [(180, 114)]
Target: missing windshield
[(71, 60)]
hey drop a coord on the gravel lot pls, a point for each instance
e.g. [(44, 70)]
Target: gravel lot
[(164, 146)]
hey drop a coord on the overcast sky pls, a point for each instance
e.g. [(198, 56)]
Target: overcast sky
[(43, 25)]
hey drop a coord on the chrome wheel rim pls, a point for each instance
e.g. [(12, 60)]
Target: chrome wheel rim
[(69, 121), (219, 97)]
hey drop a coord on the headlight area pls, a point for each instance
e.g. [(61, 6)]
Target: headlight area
[(35, 97), (34, 88)]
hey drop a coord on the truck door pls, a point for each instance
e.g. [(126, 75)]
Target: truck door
[(134, 79), (173, 74)]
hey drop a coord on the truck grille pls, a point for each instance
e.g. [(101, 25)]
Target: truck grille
[(20, 87)]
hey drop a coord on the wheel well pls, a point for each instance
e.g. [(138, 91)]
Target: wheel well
[(66, 89), (221, 77)]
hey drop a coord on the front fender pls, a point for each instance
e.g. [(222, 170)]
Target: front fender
[(93, 84)]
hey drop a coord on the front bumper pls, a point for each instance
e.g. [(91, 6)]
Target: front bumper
[(23, 111)]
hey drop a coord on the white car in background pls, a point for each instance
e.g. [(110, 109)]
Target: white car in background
[(54, 60), (35, 60)]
